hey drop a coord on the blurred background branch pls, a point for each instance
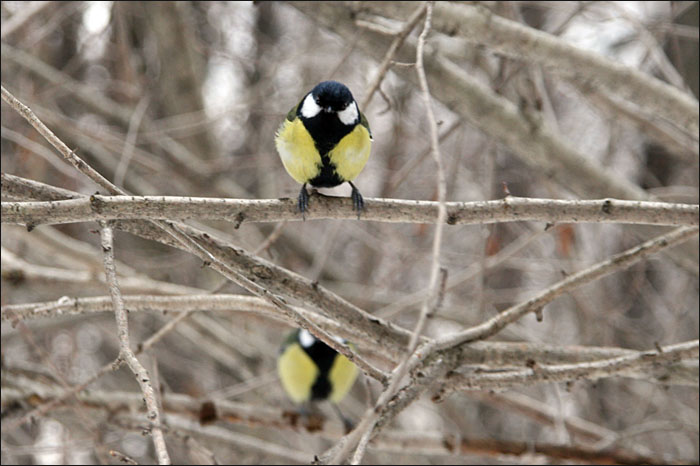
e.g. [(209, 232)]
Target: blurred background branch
[(541, 107)]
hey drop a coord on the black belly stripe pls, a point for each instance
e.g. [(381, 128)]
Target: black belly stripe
[(327, 177), (327, 131), (321, 389), (324, 356)]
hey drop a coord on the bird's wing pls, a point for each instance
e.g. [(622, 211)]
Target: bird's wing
[(365, 123), (293, 112)]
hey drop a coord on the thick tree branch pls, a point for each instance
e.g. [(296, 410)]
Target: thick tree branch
[(527, 136), (240, 211), (278, 280)]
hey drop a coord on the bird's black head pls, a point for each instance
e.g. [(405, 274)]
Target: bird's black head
[(332, 96), (328, 112)]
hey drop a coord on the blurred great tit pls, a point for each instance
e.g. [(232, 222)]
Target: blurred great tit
[(325, 141), (310, 370)]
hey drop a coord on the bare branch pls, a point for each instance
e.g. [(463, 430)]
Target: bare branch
[(564, 152), (362, 434), (68, 155), (535, 142), (593, 370), (125, 351), (275, 279), (22, 17), (615, 263), (105, 106), (16, 266), (240, 211), (479, 25), (194, 242), (181, 407), (387, 61)]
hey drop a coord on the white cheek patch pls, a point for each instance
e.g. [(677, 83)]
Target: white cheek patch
[(349, 115), (310, 108), (306, 339)]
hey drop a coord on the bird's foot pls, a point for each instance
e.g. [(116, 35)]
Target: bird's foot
[(358, 203), (303, 201), (348, 425)]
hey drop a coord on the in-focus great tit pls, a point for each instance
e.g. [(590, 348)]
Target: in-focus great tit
[(310, 370), (325, 141)]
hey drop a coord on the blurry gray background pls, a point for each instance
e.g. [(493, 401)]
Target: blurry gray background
[(218, 78)]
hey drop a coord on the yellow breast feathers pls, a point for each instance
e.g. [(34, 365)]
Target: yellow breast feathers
[(342, 377), (297, 372), (298, 151), (303, 162), (351, 153)]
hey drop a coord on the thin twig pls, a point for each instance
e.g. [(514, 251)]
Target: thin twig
[(389, 57), (199, 247), (107, 368), (130, 141), (365, 428), (125, 351), (432, 300), (271, 238), (131, 284), (60, 146), (55, 372), (447, 347), (40, 150), (23, 16), (425, 442), (593, 370), (177, 152), (230, 437), (615, 263), (541, 412)]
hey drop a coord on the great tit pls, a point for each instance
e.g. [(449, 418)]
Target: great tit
[(310, 370), (325, 141)]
